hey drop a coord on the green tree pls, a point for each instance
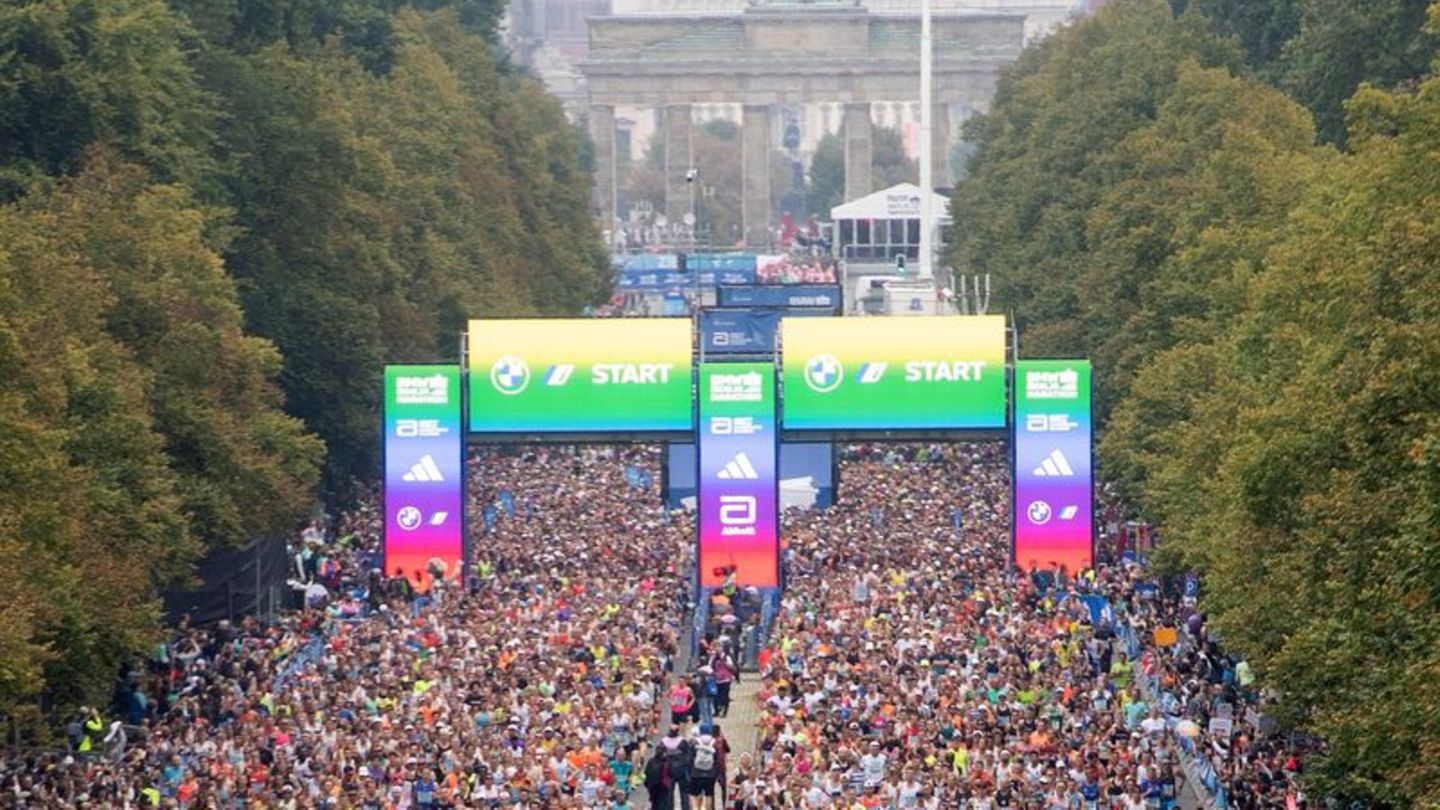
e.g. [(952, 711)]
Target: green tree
[(92, 506), (1343, 43), (80, 71), (888, 162), (243, 468), (377, 212), (1046, 159), (1263, 27)]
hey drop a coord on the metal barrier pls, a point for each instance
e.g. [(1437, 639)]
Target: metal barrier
[(1197, 766)]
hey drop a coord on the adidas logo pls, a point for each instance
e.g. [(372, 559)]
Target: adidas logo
[(1056, 465), (739, 469), (424, 470)]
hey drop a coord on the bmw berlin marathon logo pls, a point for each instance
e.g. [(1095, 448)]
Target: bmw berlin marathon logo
[(510, 375), (823, 373)]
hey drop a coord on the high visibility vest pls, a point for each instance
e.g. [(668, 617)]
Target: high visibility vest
[(93, 727)]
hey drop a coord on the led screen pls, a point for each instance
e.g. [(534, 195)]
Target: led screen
[(424, 466), (1053, 475), (914, 373), (580, 376), (738, 475)]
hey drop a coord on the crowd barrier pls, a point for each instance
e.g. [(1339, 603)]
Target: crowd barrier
[(1196, 764)]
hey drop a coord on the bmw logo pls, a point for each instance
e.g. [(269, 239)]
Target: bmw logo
[(408, 518), (1038, 512), (510, 375), (823, 373)]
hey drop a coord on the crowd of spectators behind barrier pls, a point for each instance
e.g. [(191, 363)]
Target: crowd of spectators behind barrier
[(907, 668)]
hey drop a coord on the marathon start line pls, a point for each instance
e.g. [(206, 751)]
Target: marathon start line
[(822, 379)]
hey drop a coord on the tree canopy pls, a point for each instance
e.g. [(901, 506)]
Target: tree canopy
[(218, 220), (1263, 316)]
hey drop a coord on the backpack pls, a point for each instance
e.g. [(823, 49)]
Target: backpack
[(704, 758)]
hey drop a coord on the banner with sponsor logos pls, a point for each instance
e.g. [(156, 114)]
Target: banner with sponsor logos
[(894, 374), (569, 376), (739, 331), (807, 474), (424, 474), (1053, 473), (738, 476), (820, 296)]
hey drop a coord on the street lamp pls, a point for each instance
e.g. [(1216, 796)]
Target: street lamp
[(927, 191), (691, 176)]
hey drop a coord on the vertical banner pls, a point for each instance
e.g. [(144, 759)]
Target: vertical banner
[(738, 475), (424, 474), (1054, 484)]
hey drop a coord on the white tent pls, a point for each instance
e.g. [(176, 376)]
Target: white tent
[(879, 227), (897, 202)]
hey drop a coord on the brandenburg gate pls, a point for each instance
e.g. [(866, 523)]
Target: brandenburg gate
[(792, 53)]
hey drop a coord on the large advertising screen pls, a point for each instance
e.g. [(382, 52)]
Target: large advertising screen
[(580, 376), (424, 474), (894, 374), (1053, 475), (738, 476)]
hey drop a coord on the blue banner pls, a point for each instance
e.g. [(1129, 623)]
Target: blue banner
[(675, 304), (647, 261), (632, 279), (739, 331), (818, 296), (733, 262)]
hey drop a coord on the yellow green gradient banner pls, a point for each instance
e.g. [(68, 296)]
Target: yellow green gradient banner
[(912, 373), (580, 375)]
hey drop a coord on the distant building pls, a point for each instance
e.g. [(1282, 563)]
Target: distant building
[(551, 37)]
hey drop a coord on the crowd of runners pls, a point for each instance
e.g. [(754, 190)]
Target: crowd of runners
[(907, 668), (911, 669)]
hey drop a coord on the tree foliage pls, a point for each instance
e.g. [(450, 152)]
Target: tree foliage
[(888, 166), (1322, 51), (218, 220), (141, 423), (1265, 318)]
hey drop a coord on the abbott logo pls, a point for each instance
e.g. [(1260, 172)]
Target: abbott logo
[(824, 373), (737, 515), (423, 471), (739, 469), (1055, 465), (510, 375), (871, 373), (559, 374)]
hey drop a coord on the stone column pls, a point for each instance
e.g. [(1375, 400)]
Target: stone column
[(940, 145), (602, 130), (858, 145), (755, 143), (678, 160)]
